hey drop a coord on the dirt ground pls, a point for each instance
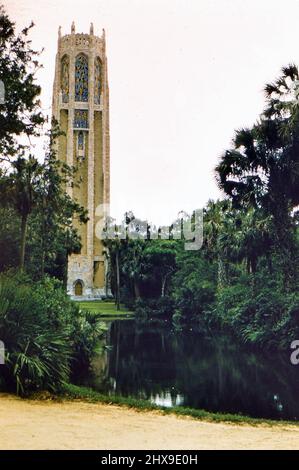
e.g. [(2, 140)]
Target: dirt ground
[(78, 425)]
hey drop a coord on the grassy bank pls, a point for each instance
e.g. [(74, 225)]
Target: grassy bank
[(89, 395), (106, 309)]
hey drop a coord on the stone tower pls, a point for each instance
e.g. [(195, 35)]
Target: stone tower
[(81, 107)]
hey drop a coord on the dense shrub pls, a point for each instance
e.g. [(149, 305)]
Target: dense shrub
[(192, 304), (259, 313), (45, 335)]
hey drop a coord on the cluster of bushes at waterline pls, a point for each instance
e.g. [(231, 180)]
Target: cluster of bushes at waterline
[(254, 307), (46, 337)]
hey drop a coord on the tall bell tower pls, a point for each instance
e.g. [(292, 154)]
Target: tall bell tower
[(81, 107)]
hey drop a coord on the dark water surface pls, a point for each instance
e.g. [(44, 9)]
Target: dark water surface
[(214, 374)]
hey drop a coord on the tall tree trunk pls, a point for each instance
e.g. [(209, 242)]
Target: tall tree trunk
[(222, 277), (164, 282), (42, 268), (269, 262), (117, 281), (163, 286), (23, 240), (107, 274), (43, 250), (285, 244), (136, 289)]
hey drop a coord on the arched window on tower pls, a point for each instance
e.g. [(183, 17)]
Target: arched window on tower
[(64, 78), (80, 140), (81, 78), (80, 146), (97, 80)]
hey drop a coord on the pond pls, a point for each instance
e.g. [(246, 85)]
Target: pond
[(214, 373)]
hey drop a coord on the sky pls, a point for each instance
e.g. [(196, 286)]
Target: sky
[(183, 75)]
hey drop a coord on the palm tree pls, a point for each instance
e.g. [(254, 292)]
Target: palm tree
[(19, 189), (214, 215), (261, 170), (246, 236), (236, 235)]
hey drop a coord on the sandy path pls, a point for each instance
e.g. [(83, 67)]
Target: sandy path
[(79, 425)]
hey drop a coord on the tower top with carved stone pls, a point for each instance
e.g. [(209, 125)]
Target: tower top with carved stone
[(82, 40)]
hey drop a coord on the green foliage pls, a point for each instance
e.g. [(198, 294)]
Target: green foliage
[(38, 354), (229, 300), (261, 170), (259, 313), (235, 282), (142, 267), (51, 232), (45, 335), (20, 114), (9, 239), (87, 329), (194, 287), (33, 195), (105, 308)]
